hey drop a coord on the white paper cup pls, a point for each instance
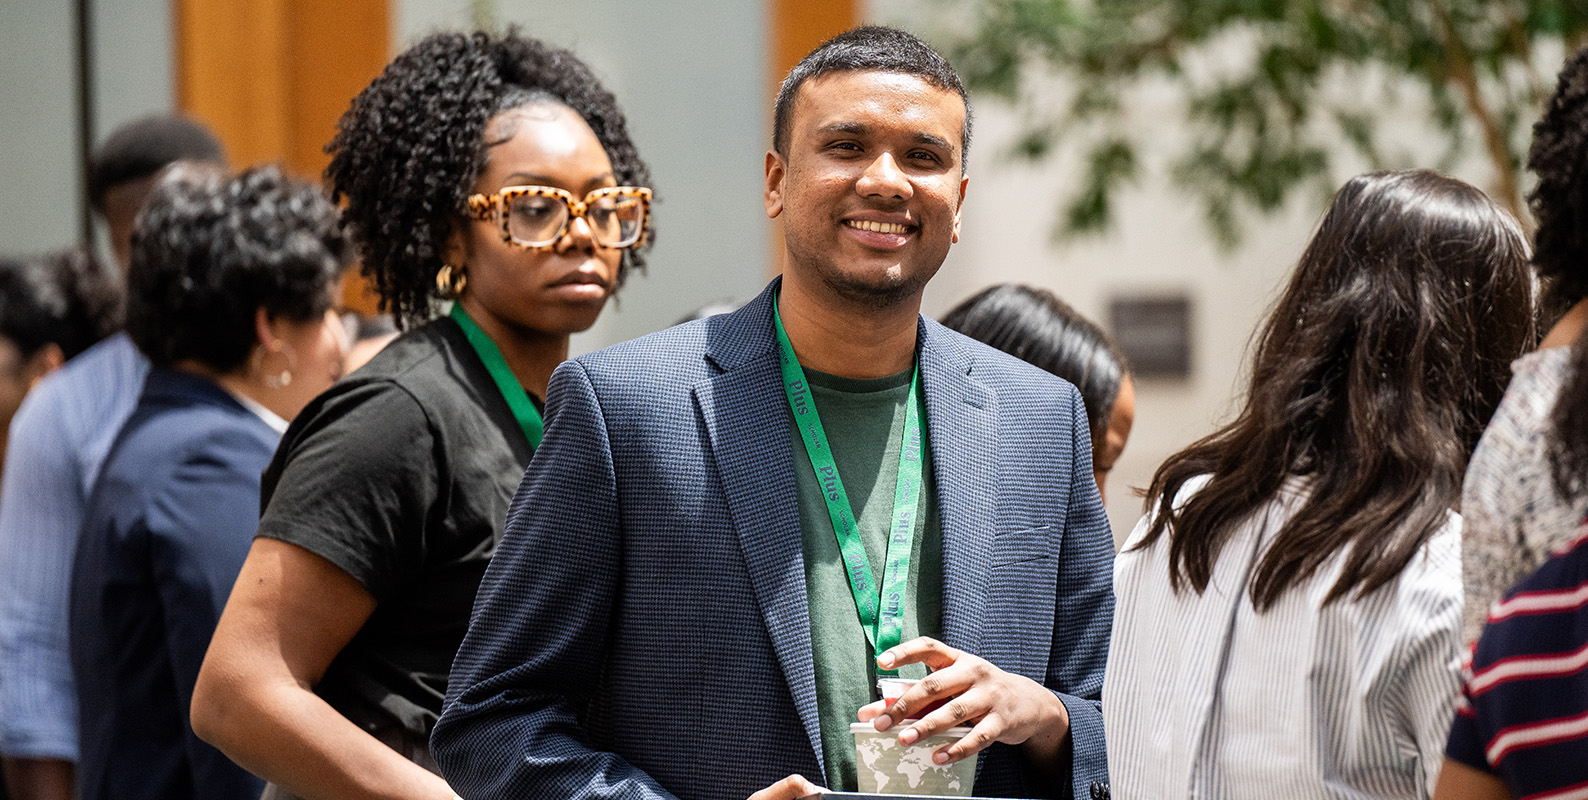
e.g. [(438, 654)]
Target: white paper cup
[(887, 767), (891, 688)]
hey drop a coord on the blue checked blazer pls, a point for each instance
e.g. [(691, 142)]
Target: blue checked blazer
[(643, 630)]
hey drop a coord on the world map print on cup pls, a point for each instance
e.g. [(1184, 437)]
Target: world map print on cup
[(888, 767)]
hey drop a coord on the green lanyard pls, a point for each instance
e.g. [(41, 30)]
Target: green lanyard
[(512, 391), (881, 610)]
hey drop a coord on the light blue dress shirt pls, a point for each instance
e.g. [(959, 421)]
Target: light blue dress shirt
[(58, 440)]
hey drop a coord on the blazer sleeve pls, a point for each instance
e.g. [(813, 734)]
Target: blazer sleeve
[(1083, 614), (537, 637), (200, 527)]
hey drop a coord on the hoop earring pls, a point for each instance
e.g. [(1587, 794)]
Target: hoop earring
[(449, 283), (278, 380)]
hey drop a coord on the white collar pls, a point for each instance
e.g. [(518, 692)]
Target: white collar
[(271, 418)]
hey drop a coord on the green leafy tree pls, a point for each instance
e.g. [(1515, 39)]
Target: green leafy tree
[(1276, 96)]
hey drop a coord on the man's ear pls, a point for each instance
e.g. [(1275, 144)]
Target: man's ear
[(963, 182), (776, 169), (45, 360)]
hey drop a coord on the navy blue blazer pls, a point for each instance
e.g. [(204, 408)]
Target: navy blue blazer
[(167, 527), (643, 630)]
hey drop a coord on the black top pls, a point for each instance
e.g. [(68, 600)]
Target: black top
[(164, 534), (401, 475)]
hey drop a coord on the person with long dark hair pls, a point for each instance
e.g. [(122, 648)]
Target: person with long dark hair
[(1037, 327), (1289, 610), (495, 171)]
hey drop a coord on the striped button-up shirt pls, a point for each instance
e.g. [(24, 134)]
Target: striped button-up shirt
[(58, 439), (1206, 697)]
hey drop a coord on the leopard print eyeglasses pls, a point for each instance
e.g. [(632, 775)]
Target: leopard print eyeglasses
[(537, 216)]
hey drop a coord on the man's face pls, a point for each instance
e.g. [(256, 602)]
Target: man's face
[(871, 187), (122, 204)]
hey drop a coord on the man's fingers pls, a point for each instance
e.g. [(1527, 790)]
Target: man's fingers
[(961, 710), (791, 788), (932, 690), (981, 735), (870, 711), (920, 650)]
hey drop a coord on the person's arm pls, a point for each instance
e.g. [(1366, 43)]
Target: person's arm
[(41, 508), (289, 615), (537, 641), (41, 778), (1083, 616), (200, 527), (1429, 668), (1457, 781)]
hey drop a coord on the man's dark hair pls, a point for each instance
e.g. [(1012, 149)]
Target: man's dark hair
[(145, 146), (68, 299), (1374, 375), (1037, 327), (408, 151), (870, 48), (209, 251)]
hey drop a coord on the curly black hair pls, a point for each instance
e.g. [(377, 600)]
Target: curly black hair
[(209, 251), (1559, 157), (68, 299), (412, 145)]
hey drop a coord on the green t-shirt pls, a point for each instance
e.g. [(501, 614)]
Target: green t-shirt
[(864, 420)]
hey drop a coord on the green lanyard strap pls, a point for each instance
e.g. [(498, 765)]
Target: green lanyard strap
[(512, 391), (881, 609)]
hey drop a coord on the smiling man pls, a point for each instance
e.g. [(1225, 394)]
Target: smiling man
[(734, 526)]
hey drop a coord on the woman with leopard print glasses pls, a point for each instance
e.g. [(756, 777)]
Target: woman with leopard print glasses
[(493, 171)]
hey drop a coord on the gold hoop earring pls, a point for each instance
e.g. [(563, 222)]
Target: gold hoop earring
[(451, 283)]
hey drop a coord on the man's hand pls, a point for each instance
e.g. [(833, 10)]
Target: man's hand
[(999, 706), (791, 788)]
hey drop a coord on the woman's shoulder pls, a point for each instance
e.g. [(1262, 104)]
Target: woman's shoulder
[(421, 370)]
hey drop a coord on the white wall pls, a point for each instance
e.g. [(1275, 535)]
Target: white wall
[(691, 78), (40, 178)]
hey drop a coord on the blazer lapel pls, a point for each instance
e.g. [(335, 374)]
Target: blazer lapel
[(744, 414), (962, 431)]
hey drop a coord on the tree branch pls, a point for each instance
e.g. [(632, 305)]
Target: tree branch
[(1461, 72)]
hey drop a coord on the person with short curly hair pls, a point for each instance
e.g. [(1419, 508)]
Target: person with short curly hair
[(1512, 511), (62, 432), (233, 284), (494, 171)]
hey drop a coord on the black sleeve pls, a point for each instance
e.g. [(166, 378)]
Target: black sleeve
[(354, 483)]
